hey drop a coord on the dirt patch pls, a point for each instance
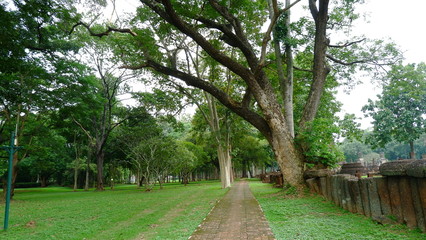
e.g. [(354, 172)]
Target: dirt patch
[(154, 225), (30, 224)]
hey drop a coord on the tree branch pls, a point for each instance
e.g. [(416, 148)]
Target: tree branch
[(313, 8), (347, 44), (105, 33), (346, 63), (169, 14), (267, 36), (303, 70), (246, 98), (84, 130), (252, 117)]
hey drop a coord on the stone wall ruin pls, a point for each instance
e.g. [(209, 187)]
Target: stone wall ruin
[(397, 196)]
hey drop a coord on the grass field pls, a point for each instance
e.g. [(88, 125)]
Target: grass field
[(124, 213), (311, 217), (174, 213)]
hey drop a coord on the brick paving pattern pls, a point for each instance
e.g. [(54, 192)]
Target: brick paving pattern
[(237, 216)]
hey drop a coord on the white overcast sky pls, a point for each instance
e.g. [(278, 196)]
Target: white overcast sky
[(402, 21)]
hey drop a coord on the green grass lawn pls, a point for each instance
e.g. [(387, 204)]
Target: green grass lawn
[(124, 213), (312, 217)]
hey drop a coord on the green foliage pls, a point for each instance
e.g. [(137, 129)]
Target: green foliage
[(48, 156), (400, 111), (310, 217), (250, 150), (349, 128), (395, 150), (354, 149), (343, 13), (320, 149)]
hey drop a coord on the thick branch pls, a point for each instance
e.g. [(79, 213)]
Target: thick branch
[(346, 63), (238, 39), (246, 98), (255, 119), (313, 8), (347, 44), (105, 33), (301, 69), (274, 18), (169, 14), (230, 18), (89, 136), (320, 68)]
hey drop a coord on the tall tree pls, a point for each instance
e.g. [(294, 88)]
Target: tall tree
[(216, 27), (33, 64), (401, 109)]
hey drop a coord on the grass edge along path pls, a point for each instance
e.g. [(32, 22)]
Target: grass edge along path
[(312, 217), (124, 213)]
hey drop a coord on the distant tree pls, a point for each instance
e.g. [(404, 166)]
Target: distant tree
[(47, 156), (354, 150), (395, 150), (400, 112)]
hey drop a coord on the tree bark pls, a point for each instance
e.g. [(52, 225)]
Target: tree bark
[(223, 144), (288, 156), (100, 168), (244, 170), (89, 156), (287, 83), (412, 153), (320, 68), (75, 178), (43, 180)]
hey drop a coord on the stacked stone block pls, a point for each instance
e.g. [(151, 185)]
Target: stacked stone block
[(275, 178), (399, 195)]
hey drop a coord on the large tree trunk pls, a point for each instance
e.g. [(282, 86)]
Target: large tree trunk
[(288, 156)]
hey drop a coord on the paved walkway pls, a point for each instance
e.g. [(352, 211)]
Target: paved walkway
[(237, 216)]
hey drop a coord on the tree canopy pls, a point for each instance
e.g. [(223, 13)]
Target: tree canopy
[(400, 112)]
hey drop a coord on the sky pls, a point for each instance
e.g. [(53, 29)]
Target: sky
[(402, 21)]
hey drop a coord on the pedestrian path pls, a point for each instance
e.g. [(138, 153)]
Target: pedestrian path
[(237, 216)]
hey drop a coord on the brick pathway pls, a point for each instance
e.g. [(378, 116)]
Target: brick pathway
[(237, 216)]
